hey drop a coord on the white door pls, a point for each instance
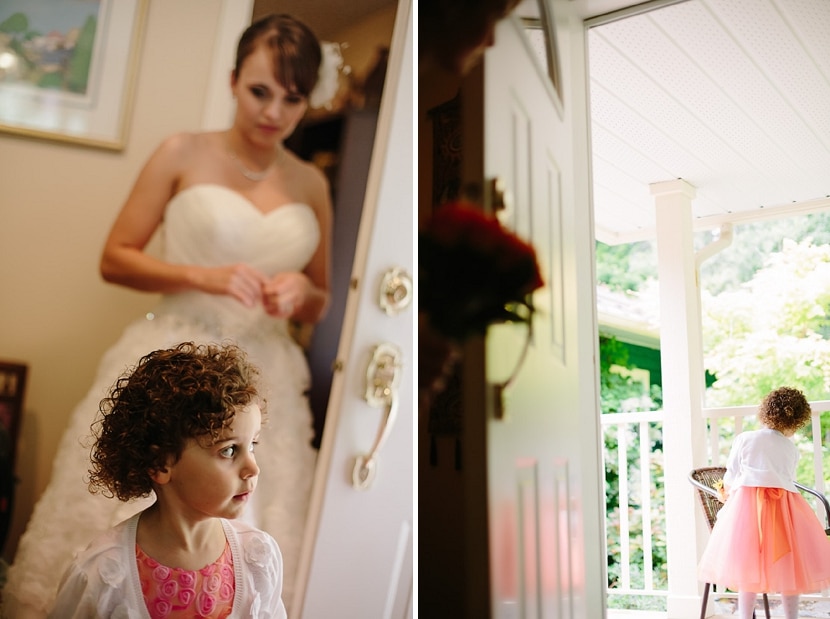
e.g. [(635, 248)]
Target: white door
[(541, 553), (357, 560)]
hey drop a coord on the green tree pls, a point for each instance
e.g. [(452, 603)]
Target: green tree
[(773, 330), (77, 73), (752, 245), (626, 267), (16, 24)]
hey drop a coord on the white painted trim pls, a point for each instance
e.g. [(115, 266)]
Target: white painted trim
[(714, 221), (819, 406), (234, 17)]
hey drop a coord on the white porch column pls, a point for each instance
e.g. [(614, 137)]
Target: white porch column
[(681, 353)]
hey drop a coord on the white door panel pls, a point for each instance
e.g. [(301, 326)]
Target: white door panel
[(543, 488), (357, 558)]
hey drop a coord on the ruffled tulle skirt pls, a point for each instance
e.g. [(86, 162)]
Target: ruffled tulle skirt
[(767, 540)]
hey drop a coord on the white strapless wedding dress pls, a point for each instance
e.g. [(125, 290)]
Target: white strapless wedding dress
[(207, 225)]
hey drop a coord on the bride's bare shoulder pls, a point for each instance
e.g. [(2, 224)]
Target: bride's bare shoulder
[(186, 143)]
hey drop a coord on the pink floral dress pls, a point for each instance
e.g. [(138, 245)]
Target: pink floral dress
[(172, 593)]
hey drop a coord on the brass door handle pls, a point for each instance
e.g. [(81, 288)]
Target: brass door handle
[(382, 379)]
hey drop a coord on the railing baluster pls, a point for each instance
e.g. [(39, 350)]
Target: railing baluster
[(625, 532), (818, 453), (645, 502), (714, 441)]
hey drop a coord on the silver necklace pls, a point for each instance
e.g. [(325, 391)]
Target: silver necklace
[(253, 175)]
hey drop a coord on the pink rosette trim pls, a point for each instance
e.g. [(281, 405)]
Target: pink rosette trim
[(161, 573), (187, 580), (212, 583), (205, 603), (161, 608), (226, 591), (175, 593), (186, 596), (169, 589)]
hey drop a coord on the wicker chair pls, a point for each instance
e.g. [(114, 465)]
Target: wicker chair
[(704, 480)]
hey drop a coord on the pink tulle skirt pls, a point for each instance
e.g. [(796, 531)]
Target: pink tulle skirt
[(767, 540)]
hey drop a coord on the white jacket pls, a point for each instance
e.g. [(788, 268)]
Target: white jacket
[(762, 458), (103, 582)]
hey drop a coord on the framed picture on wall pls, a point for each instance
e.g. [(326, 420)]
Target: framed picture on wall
[(67, 68)]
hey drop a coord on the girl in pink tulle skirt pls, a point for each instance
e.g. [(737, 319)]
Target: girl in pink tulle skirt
[(767, 537)]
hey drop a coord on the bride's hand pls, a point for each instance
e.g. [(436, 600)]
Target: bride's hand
[(284, 294), (240, 281)]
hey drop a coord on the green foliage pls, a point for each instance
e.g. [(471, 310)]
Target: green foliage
[(771, 331), (626, 267), (77, 73), (636, 602), (614, 387), (17, 23), (50, 80), (752, 245)]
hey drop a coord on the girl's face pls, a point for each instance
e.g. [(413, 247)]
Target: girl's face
[(266, 111), (216, 479)]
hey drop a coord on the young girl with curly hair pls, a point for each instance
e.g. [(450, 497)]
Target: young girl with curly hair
[(767, 538), (181, 426)]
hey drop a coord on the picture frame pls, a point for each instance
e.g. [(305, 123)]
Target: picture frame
[(68, 68)]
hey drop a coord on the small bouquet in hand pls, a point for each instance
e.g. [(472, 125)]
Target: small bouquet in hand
[(720, 489), (473, 272)]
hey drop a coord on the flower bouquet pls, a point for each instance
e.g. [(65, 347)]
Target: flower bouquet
[(473, 272), (718, 486)]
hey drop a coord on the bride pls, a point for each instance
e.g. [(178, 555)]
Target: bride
[(246, 229)]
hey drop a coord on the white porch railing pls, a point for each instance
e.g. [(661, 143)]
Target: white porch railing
[(626, 428), (630, 428), (718, 416)]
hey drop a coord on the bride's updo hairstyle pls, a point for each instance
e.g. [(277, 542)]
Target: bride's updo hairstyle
[(294, 48)]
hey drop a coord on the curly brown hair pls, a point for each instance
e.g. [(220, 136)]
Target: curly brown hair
[(784, 409), (172, 395)]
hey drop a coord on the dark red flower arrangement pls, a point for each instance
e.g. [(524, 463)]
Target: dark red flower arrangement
[(473, 272)]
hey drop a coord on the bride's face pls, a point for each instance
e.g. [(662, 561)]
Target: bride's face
[(266, 111)]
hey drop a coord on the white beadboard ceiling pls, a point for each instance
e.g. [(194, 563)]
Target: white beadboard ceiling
[(732, 96)]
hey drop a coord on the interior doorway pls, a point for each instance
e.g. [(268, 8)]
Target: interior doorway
[(339, 140)]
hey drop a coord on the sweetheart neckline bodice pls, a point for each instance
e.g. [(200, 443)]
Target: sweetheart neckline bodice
[(241, 197)]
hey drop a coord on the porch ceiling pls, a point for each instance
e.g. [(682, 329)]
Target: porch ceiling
[(731, 95)]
